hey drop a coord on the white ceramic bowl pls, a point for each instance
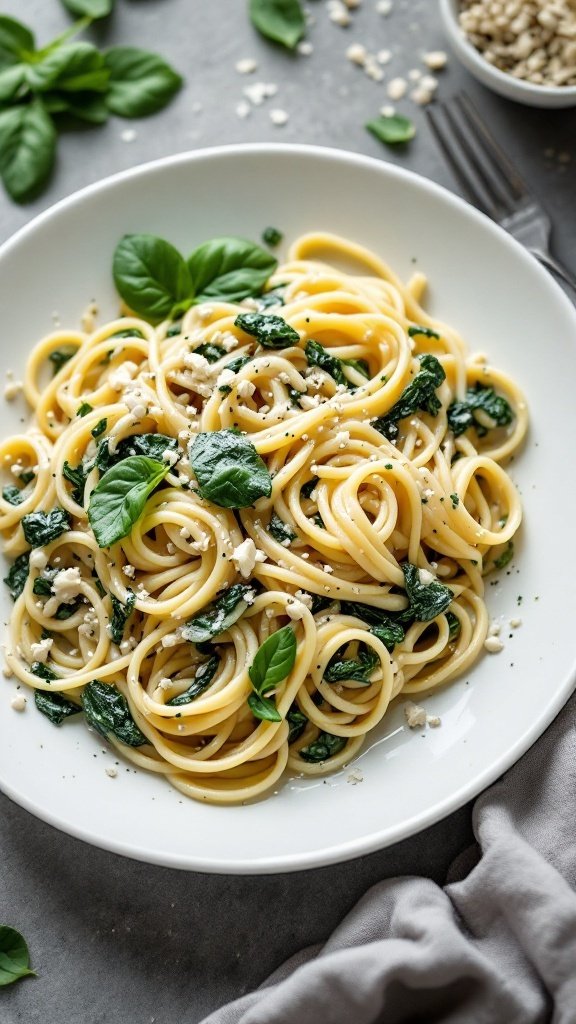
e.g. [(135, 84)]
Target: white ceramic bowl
[(481, 281), (499, 81)]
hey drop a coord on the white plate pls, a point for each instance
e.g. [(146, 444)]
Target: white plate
[(504, 304)]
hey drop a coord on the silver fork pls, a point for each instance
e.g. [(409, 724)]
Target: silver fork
[(491, 182)]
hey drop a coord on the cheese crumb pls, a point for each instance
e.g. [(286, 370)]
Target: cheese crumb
[(355, 777), (41, 650), (415, 715), (357, 54), (111, 773), (12, 390), (18, 703), (396, 88), (493, 644), (435, 60), (514, 623), (305, 598), (245, 389), (245, 556), (434, 721), (278, 117), (65, 588), (246, 66)]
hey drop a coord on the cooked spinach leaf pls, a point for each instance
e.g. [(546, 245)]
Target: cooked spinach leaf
[(427, 600), (229, 470), (390, 633), (317, 355), (280, 530), (59, 358), (308, 487), (204, 676), (297, 723), (222, 613), (13, 495), (237, 363), (416, 329), (107, 711), (454, 625), (324, 746), (269, 330), (99, 428), (507, 555), (275, 297), (41, 528), (210, 352), (120, 615), (38, 668), (17, 575), (418, 395), (84, 409), (152, 446), (55, 706), (118, 501), (76, 475), (462, 415), (14, 953), (357, 669)]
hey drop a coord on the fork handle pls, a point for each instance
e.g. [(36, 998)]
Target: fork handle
[(556, 267)]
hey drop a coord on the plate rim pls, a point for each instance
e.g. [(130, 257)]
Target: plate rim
[(390, 835)]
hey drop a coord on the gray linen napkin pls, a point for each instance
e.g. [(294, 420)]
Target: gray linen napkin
[(497, 944)]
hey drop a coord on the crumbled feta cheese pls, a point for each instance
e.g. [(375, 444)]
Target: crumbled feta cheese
[(294, 609), (245, 556), (245, 389), (434, 721), (305, 48), (170, 456), (415, 715), (338, 13), (494, 628), (201, 545), (128, 135), (357, 54), (305, 598), (435, 60), (129, 571), (396, 88), (355, 777), (41, 650), (246, 66), (425, 577), (66, 586), (342, 438), (18, 703), (421, 96), (12, 389), (279, 117), (257, 92), (384, 56), (383, 7), (493, 644), (515, 623), (243, 109), (122, 375), (111, 773)]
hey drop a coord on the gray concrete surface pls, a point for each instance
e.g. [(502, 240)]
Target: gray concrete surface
[(114, 940)]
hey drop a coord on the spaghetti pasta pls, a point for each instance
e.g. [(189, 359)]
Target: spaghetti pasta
[(383, 442)]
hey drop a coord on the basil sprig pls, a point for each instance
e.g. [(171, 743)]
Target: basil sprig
[(107, 711), (229, 470), (273, 662), (269, 330), (65, 83), (282, 21), (157, 282), (118, 501), (14, 956), (222, 613)]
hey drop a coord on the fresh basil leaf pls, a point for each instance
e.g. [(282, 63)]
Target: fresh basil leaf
[(352, 669), (229, 470), (282, 21), (427, 600), (13, 495), (297, 723), (55, 706), (269, 330), (462, 415), (107, 711), (222, 613), (210, 352), (99, 428), (27, 149), (16, 40), (416, 329), (418, 395), (76, 475), (118, 500), (120, 615), (90, 8), (280, 530), (74, 67), (317, 355), (13, 83), (454, 625), (17, 575), (14, 953), (42, 527), (230, 269), (272, 237), (140, 82), (392, 130), (70, 108), (326, 745), (204, 676), (507, 555), (84, 409), (151, 276), (263, 708), (130, 332), (273, 661), (59, 358)]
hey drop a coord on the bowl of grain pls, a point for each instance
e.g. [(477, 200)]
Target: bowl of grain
[(522, 49)]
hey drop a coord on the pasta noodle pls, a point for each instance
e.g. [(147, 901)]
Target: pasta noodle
[(369, 518)]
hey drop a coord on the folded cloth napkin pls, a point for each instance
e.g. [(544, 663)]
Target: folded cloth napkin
[(497, 945)]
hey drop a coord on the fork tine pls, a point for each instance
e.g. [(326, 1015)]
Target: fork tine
[(472, 186), (480, 159), (499, 161)]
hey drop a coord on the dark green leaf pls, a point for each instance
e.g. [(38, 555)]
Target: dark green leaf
[(281, 531), (272, 237), (74, 67), (140, 82), (297, 723), (120, 615), (358, 669), (454, 625), (317, 355), (84, 409), (107, 711), (17, 575), (462, 415), (418, 395), (237, 363), (275, 297), (65, 611), (27, 148), (307, 488), (204, 676), (130, 332), (42, 585), (42, 527), (416, 329), (222, 613), (319, 604), (360, 365), (70, 108), (14, 954), (13, 495), (427, 600), (210, 352), (229, 470), (91, 8), (282, 21), (390, 633), (151, 276), (263, 708), (325, 746), (43, 671), (55, 706), (59, 358), (269, 330), (392, 130), (507, 555), (273, 661), (13, 83), (76, 475), (16, 40), (152, 446), (230, 269), (118, 500), (99, 428)]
